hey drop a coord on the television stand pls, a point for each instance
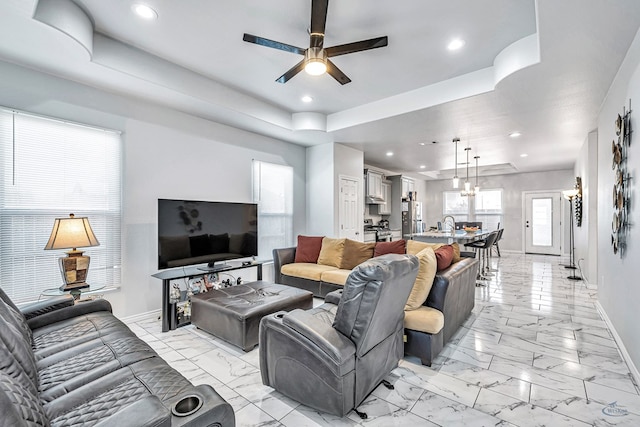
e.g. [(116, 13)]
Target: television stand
[(169, 322)]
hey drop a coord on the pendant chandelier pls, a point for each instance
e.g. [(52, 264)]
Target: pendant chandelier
[(467, 191), (456, 180), (476, 189)]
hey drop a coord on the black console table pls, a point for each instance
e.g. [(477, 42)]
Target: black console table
[(168, 309)]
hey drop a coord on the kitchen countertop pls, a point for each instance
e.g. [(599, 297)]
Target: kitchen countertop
[(447, 236)]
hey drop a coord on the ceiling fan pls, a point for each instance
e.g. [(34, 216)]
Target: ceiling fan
[(316, 56)]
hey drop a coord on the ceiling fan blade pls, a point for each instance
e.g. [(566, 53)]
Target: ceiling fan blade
[(337, 74), (318, 21), (272, 44), (343, 49), (292, 72)]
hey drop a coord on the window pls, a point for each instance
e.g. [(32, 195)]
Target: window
[(456, 205), (273, 191), (49, 169), (485, 207), (488, 208)]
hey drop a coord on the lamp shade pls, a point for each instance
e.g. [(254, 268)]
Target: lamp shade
[(71, 233)]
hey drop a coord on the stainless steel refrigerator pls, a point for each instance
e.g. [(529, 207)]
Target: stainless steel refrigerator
[(411, 218)]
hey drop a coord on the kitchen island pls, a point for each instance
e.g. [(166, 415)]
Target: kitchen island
[(448, 237)]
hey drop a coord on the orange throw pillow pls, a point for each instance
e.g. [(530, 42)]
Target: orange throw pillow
[(444, 256), (308, 249), (395, 247)]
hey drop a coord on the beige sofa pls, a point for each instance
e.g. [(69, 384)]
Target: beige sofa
[(439, 303)]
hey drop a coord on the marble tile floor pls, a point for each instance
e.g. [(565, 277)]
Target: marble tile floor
[(534, 352)]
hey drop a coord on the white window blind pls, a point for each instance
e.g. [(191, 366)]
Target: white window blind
[(50, 169), (456, 205), (273, 191)]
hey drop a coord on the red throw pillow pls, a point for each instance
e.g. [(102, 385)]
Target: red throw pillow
[(308, 249), (444, 256), (395, 247)]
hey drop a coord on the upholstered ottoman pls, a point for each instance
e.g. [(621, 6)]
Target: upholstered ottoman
[(234, 313)]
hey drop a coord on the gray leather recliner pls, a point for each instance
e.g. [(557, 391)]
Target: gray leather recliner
[(331, 357)]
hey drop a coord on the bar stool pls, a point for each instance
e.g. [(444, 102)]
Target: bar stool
[(495, 244), (483, 248)]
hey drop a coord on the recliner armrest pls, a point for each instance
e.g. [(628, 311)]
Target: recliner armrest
[(68, 313), (41, 307), (333, 297), (281, 257), (145, 412)]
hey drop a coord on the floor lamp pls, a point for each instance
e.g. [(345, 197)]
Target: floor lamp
[(570, 195)]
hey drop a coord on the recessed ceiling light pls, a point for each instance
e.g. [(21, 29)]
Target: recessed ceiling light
[(515, 134), (455, 44), (389, 153), (523, 155), (307, 98), (422, 166), (421, 143), (144, 11)]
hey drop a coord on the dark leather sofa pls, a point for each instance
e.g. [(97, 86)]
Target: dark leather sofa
[(452, 293), (63, 364)]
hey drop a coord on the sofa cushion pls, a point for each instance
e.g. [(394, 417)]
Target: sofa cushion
[(236, 243), (174, 248), (424, 319), (199, 245), (305, 270), (355, 253), (337, 277), (456, 252), (331, 252), (424, 281), (415, 246), (308, 249), (218, 243), (395, 247), (444, 256)]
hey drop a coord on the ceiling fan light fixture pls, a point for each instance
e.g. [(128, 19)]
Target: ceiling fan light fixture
[(315, 63)]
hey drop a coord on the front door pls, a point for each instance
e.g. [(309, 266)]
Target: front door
[(348, 212), (542, 223)]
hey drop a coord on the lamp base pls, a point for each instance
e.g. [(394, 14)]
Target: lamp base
[(74, 268), (70, 287)]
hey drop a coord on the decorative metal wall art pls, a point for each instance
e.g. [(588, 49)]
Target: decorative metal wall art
[(621, 193), (577, 201)]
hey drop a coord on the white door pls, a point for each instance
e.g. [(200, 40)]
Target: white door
[(348, 212), (542, 218)]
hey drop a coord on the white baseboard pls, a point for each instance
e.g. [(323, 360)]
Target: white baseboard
[(625, 354), (141, 316)]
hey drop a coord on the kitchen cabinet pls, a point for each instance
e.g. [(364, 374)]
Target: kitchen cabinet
[(408, 185), (374, 187), (396, 235)]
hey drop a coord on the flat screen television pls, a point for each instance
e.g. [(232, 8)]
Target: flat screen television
[(194, 232)]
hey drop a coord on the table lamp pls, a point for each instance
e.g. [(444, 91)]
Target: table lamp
[(72, 233)]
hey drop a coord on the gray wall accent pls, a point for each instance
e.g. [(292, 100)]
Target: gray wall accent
[(618, 284), (586, 236), (167, 154), (513, 186)]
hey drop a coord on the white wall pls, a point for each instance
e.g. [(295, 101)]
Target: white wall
[(512, 185), (586, 236), (320, 190), (618, 285), (166, 154)]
